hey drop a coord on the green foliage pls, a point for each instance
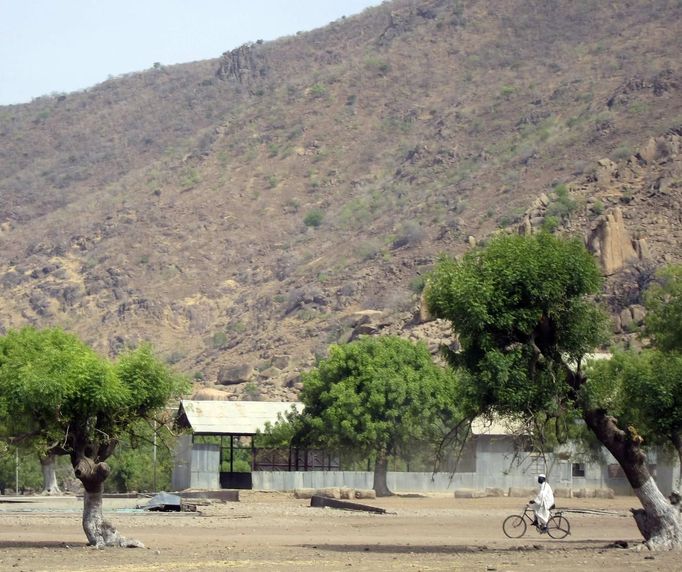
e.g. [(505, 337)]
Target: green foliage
[(133, 466), (519, 306), (377, 65), (376, 395), (417, 284), (663, 300), (368, 249), (30, 475), (509, 219), (563, 205), (318, 91), (281, 433), (218, 339), (644, 389), (190, 178), (251, 391), (622, 152), (597, 207), (409, 234), (506, 91), (272, 181), (58, 390), (358, 212), (550, 223), (313, 218)]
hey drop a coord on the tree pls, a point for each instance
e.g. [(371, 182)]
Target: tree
[(645, 391), (146, 446), (646, 386), (376, 396), (663, 300), (48, 466), (526, 322), (65, 399)]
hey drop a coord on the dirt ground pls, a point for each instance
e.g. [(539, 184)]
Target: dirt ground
[(274, 531)]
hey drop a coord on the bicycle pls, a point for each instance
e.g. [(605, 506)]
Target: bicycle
[(515, 526)]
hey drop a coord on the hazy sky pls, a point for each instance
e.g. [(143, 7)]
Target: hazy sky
[(65, 45)]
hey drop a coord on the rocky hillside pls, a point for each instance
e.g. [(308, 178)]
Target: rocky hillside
[(244, 213)]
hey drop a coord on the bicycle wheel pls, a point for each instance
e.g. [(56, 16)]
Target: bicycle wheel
[(558, 527), (514, 526)]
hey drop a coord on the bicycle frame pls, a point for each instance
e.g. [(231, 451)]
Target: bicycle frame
[(515, 525)]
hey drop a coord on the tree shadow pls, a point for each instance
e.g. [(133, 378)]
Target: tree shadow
[(527, 546), (40, 544)]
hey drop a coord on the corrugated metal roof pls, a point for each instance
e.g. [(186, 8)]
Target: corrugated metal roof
[(232, 417)]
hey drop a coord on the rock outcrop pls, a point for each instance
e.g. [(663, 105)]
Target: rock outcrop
[(611, 243)]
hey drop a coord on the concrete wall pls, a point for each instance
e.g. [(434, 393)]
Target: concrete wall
[(205, 470), (197, 466), (397, 482), (494, 466), (181, 477)]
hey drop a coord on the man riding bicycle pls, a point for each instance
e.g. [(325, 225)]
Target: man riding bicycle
[(542, 503)]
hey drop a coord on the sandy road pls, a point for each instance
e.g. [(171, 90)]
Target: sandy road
[(274, 531)]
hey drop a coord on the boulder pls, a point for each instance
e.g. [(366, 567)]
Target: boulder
[(209, 394), (626, 320), (638, 313), (365, 494), (606, 172), (648, 151), (232, 375), (270, 372), (281, 361)]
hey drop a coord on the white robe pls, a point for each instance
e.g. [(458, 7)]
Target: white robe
[(543, 501)]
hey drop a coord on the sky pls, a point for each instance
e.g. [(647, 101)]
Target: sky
[(51, 46)]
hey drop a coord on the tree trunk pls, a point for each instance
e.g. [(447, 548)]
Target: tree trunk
[(98, 531), (659, 521), (380, 472), (676, 438), (50, 485)]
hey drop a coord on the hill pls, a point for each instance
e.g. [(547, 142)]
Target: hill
[(245, 212)]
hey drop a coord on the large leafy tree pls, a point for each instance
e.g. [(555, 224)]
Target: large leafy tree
[(523, 311), (376, 396), (61, 397)]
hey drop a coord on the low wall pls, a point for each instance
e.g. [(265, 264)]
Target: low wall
[(398, 482)]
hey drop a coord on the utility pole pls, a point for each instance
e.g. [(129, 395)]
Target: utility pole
[(154, 458)]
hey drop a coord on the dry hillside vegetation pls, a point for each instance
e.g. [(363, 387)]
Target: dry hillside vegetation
[(244, 213)]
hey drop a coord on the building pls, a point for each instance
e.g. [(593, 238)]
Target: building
[(220, 453)]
